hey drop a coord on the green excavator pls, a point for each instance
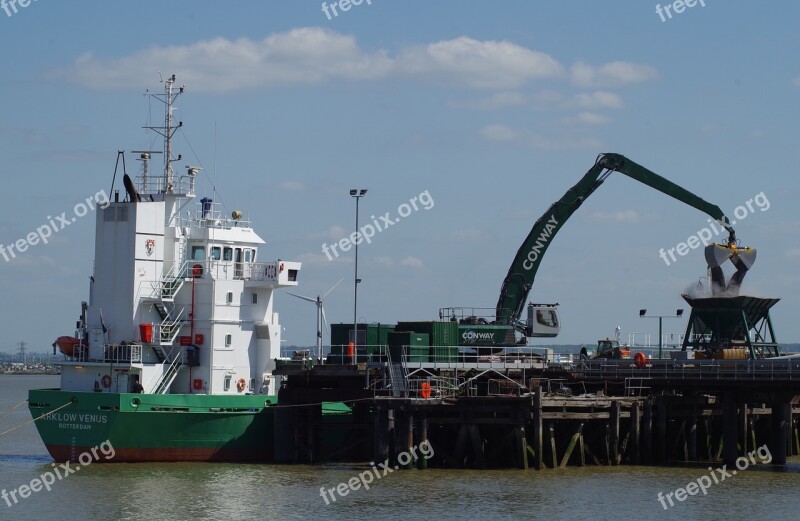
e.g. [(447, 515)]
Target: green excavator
[(507, 328)]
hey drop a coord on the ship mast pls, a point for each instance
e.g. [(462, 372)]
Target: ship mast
[(169, 129)]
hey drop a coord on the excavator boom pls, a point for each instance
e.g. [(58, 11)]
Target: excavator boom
[(519, 280)]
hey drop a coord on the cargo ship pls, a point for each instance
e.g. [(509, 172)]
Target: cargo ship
[(173, 354)]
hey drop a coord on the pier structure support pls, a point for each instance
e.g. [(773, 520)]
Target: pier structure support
[(538, 445), (634, 433), (779, 435), (421, 424), (730, 428), (661, 431), (614, 455), (691, 437), (647, 431)]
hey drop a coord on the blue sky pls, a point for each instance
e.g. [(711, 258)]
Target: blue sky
[(494, 109)]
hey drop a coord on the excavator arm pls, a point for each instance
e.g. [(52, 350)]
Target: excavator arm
[(519, 280)]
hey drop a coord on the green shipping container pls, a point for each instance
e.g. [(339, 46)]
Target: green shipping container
[(372, 338), (441, 332), (415, 346)]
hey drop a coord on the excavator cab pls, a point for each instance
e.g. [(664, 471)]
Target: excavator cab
[(543, 321)]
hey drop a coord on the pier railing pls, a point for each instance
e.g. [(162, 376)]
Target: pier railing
[(712, 370)]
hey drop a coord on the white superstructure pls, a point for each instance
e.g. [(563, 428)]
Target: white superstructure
[(179, 298)]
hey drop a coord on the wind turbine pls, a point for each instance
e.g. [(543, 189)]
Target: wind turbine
[(320, 313)]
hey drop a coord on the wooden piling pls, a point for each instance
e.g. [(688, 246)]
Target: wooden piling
[(571, 445), (538, 446), (661, 430), (422, 439), (691, 438), (613, 421), (730, 428), (634, 430), (647, 431)]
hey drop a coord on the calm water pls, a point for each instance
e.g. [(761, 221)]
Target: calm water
[(220, 492)]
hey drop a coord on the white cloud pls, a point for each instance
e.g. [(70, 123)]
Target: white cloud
[(620, 216), (300, 56), (598, 99), (795, 252), (412, 262), (480, 64), (587, 118), (312, 55), (498, 132), (614, 73)]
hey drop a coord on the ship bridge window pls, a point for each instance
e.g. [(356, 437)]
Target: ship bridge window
[(198, 253), (216, 253), (248, 255), (227, 253), (227, 382)]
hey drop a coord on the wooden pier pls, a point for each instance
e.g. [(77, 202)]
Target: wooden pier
[(547, 416)]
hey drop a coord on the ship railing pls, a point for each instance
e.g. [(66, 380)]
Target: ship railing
[(156, 184), (230, 270), (169, 329), (211, 215), (80, 353), (174, 358), (120, 353)]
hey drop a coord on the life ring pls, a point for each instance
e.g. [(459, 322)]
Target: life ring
[(241, 383), (281, 267), (197, 271), (639, 360), (425, 390), (106, 381)]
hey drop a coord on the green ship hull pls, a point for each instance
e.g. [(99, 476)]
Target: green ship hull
[(163, 427), (155, 427)]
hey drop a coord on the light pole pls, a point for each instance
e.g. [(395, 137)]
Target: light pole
[(357, 193), (643, 314)]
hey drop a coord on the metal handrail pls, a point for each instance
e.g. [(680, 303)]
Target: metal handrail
[(752, 370)]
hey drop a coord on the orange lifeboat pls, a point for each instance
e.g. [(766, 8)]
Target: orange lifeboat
[(68, 344)]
